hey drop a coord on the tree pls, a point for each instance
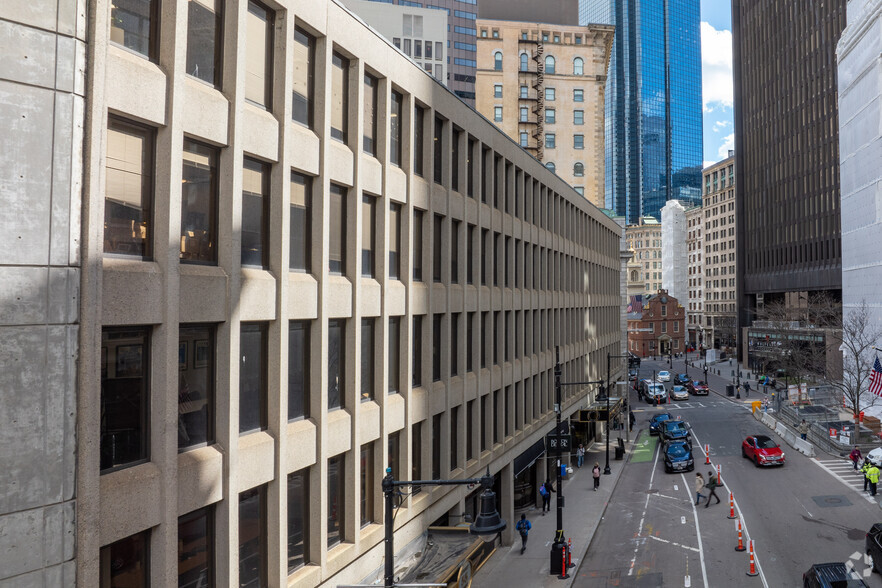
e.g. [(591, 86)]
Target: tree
[(859, 335)]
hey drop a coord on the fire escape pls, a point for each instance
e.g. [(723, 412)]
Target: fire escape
[(536, 80)]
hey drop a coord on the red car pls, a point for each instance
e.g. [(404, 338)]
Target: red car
[(762, 450), (698, 388)]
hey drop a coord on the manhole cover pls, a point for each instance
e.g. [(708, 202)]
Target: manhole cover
[(831, 501)]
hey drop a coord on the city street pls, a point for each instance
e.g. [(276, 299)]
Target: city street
[(809, 511)]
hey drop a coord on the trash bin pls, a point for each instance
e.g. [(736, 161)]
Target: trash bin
[(620, 453), (730, 389)]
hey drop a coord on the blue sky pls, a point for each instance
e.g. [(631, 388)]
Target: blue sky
[(716, 73)]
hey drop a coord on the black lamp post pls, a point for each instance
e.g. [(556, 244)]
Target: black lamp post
[(607, 470), (705, 373), (488, 521)]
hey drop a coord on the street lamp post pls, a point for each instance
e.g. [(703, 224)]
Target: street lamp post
[(607, 470), (488, 521)]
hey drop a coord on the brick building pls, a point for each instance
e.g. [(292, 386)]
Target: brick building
[(659, 328)]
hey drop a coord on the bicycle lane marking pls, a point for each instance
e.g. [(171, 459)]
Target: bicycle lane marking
[(645, 508)]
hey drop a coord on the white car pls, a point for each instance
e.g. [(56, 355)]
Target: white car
[(875, 456), (664, 376)]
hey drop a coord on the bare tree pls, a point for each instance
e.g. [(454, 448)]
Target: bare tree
[(859, 335)]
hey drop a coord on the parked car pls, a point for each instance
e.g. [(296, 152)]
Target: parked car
[(632, 375), (874, 546), (653, 392), (698, 388), (664, 376), (875, 457), (675, 430), (832, 575), (657, 420), (681, 379), (762, 450), (679, 393), (678, 457)]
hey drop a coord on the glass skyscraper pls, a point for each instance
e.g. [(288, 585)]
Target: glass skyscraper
[(653, 103)]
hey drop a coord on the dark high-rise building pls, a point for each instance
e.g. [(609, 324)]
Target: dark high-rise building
[(461, 47), (786, 150), (654, 144)]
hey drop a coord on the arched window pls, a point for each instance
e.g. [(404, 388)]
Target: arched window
[(549, 64), (497, 61), (635, 276), (524, 62), (579, 169), (578, 66), (551, 167)]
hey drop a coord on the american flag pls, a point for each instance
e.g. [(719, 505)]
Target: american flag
[(876, 378)]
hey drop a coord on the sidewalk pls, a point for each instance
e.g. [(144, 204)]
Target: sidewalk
[(582, 513)]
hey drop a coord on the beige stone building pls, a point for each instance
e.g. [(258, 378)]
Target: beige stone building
[(543, 85), (719, 254), (645, 240), (695, 253), (274, 256)]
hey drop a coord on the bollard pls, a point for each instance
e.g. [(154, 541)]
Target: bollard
[(570, 563), (719, 475), (731, 506), (740, 538), (752, 571), (707, 455)]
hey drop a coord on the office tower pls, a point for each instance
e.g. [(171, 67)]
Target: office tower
[(720, 263), (653, 103)]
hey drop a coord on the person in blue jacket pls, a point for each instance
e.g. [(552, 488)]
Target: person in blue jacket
[(523, 527)]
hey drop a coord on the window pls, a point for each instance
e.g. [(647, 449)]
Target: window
[(259, 54), (199, 204), (578, 141), (524, 64), (438, 154), (497, 113), (407, 47), (367, 484), (436, 446), (578, 169), (549, 64), (336, 363), (298, 369), (550, 166), (454, 438), (578, 66), (252, 537), (549, 94), (125, 393), (549, 140), (470, 419), (126, 562), (436, 347), (128, 198), (436, 248), (337, 232), (417, 245), (497, 90), (255, 213), (580, 190), (395, 126), (418, 49), (578, 95), (550, 116), (454, 344), (470, 319), (394, 351), (336, 499), (394, 241), (195, 385), (497, 61), (419, 121), (339, 97), (367, 359), (578, 117), (252, 377), (454, 252), (369, 114), (439, 50), (204, 34), (470, 251), (416, 450), (495, 33), (301, 223), (524, 92), (368, 235), (135, 26), (523, 139), (303, 77), (525, 113), (428, 50), (298, 519), (454, 159), (417, 354), (196, 548)]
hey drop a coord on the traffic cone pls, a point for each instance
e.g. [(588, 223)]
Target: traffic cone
[(731, 506), (740, 538), (707, 455), (719, 475), (752, 571), (563, 563), (570, 563)]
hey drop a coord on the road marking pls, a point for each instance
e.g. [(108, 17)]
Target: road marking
[(643, 516), (676, 488), (855, 481), (674, 543), (682, 520), (697, 531)]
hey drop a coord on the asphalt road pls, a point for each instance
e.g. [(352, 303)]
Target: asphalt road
[(808, 511)]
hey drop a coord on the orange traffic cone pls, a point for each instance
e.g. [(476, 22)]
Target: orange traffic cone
[(731, 506), (707, 455), (719, 475), (740, 538), (752, 571)]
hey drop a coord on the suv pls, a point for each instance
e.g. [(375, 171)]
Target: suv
[(832, 575), (653, 392), (697, 387), (874, 546)]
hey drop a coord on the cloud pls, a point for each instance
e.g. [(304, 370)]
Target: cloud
[(716, 68), (728, 143), (721, 124)]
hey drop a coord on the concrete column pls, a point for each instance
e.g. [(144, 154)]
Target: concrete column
[(505, 502)]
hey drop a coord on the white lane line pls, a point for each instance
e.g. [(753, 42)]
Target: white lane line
[(857, 487), (697, 530), (674, 543), (645, 507), (740, 515)]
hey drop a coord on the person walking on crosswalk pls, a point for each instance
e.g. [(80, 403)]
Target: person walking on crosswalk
[(712, 484)]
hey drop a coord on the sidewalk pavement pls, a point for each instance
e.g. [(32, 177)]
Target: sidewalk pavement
[(582, 514)]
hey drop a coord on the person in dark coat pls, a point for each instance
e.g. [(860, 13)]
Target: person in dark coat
[(711, 486), (631, 419)]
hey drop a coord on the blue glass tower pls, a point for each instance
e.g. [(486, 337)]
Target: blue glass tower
[(653, 103)]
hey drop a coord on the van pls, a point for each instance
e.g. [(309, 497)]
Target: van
[(653, 392)]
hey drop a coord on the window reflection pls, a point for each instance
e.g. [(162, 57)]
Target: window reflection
[(125, 369), (196, 549), (133, 24), (199, 203), (124, 564), (204, 26), (195, 386), (128, 198)]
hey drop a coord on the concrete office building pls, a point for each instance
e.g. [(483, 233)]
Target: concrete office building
[(720, 260), (559, 12), (278, 211), (675, 267), (860, 145), (421, 33), (644, 239), (695, 263), (787, 201), (543, 85)]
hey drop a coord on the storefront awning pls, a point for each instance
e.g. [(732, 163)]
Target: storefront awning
[(529, 457)]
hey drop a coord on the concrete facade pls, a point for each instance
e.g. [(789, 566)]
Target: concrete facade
[(557, 117), (860, 148), (720, 246), (512, 263), (42, 88), (695, 251), (645, 240)]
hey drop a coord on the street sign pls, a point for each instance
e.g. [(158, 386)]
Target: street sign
[(564, 440)]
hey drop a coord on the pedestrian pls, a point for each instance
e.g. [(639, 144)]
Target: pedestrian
[(596, 473), (712, 484), (873, 475), (523, 528), (580, 455), (545, 491), (699, 484), (803, 429), (747, 389), (855, 456), (631, 419), (863, 470)]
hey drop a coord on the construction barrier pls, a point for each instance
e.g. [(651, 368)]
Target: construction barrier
[(752, 571), (740, 546)]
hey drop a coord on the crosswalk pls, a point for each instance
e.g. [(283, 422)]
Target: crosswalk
[(844, 471), (684, 405)]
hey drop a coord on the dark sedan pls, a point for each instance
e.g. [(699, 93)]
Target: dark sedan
[(681, 379), (678, 457), (657, 420), (697, 388), (674, 430)]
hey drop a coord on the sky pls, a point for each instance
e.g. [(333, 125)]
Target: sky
[(716, 79)]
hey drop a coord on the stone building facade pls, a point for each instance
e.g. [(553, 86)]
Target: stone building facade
[(645, 240), (720, 262)]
